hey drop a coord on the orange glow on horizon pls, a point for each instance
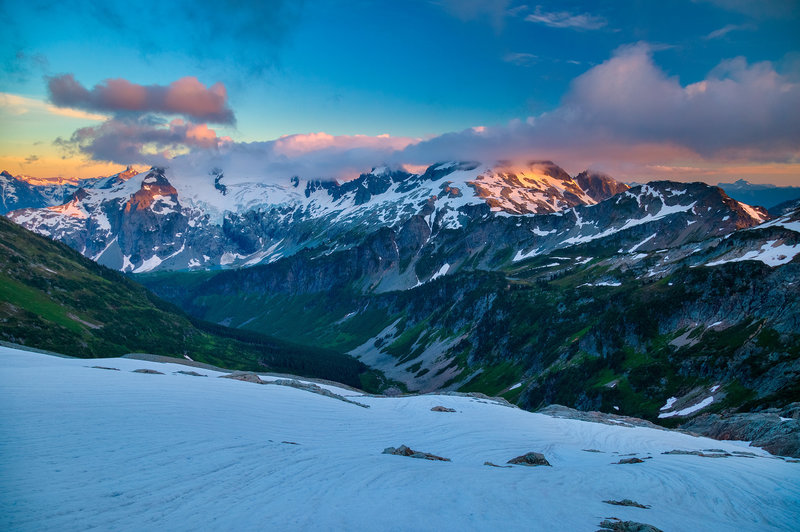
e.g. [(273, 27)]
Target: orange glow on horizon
[(55, 168)]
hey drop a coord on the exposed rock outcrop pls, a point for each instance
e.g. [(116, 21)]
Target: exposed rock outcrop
[(406, 451), (530, 459), (774, 430), (243, 376), (627, 502), (617, 525)]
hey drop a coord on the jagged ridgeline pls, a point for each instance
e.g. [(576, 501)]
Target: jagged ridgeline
[(53, 298)]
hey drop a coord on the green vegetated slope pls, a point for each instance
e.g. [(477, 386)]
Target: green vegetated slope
[(562, 333), (53, 298)]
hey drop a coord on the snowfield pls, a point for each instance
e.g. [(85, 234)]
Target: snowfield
[(84, 448)]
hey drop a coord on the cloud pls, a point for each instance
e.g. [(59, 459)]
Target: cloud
[(21, 66), (737, 106), (143, 140), (628, 113), (31, 159), (565, 19), (494, 11), (759, 9), (187, 97), (216, 34), (196, 148), (15, 104), (293, 145), (520, 58), (625, 116), (716, 34)]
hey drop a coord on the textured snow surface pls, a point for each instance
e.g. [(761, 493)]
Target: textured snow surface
[(84, 448)]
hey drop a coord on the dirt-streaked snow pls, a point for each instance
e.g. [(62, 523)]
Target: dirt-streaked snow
[(84, 448)]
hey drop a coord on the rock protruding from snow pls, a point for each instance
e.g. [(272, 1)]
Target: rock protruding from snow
[(632, 460), (617, 525), (530, 459), (565, 412), (775, 430), (627, 502), (245, 376), (404, 450)]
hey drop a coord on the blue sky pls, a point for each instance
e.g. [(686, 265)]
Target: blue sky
[(415, 69)]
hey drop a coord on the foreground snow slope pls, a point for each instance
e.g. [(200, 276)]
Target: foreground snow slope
[(84, 448)]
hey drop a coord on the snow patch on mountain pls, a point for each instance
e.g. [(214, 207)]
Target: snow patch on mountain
[(689, 409), (770, 253)]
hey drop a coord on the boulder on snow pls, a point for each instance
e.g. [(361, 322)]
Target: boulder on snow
[(628, 502), (245, 376), (617, 525), (148, 371), (192, 373), (530, 459), (632, 460), (406, 451), (442, 409)]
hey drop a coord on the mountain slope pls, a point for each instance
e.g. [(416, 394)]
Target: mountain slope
[(177, 452), (53, 298), (587, 325), (16, 193)]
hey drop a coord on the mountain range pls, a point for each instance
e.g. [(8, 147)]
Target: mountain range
[(664, 300), (767, 196)]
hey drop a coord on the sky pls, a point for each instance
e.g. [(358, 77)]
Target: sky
[(686, 89)]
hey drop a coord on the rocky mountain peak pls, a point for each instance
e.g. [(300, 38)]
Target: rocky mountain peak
[(128, 173), (598, 185), (155, 188)]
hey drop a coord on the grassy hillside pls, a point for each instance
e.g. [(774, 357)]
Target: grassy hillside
[(53, 298)]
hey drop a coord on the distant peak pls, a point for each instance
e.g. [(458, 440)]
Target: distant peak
[(128, 173)]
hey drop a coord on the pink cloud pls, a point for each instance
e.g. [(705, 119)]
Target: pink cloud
[(625, 116), (294, 145), (186, 96)]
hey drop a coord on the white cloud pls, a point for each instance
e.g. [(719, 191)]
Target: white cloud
[(565, 19), (723, 31), (15, 104), (520, 58)]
